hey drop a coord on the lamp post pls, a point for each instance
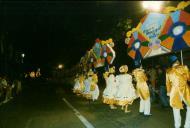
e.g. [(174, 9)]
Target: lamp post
[(22, 64), (22, 57)]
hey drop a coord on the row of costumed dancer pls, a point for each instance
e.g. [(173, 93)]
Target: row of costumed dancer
[(86, 86), (120, 90)]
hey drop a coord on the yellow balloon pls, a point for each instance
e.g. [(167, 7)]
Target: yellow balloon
[(128, 34), (169, 9), (183, 5), (103, 42), (110, 40), (134, 29)]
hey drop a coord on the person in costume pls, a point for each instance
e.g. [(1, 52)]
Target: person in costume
[(178, 90), (111, 88), (142, 91), (76, 84), (79, 85), (94, 90), (87, 84), (91, 89), (126, 92)]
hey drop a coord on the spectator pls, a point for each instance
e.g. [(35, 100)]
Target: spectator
[(17, 85), (7, 90), (161, 82), (152, 75)]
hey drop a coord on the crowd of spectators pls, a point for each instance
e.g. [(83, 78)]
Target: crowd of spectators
[(157, 84), (9, 88)]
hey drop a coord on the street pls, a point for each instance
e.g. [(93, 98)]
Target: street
[(48, 105)]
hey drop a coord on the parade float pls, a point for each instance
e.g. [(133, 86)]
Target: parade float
[(160, 33), (103, 52)]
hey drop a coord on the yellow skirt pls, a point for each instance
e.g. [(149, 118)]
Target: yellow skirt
[(108, 100), (124, 102)]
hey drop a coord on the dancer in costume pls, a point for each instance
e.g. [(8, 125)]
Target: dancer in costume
[(143, 91), (178, 90), (79, 85), (87, 84), (94, 90), (111, 88), (125, 92), (76, 84)]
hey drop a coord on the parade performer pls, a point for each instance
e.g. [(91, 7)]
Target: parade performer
[(94, 90), (126, 92), (79, 85), (91, 88), (87, 84), (111, 88), (142, 91), (76, 84), (178, 90)]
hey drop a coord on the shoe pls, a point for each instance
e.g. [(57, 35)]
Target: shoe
[(147, 115), (127, 111), (113, 107)]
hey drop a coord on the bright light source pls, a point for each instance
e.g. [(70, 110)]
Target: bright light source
[(152, 5), (23, 55), (60, 66)]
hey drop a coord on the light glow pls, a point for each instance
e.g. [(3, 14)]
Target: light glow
[(23, 55), (152, 5), (60, 66)]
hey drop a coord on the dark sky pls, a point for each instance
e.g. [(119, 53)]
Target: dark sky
[(52, 32)]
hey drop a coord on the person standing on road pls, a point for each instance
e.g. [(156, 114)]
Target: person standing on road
[(87, 83), (152, 75), (94, 90), (80, 85), (125, 92), (178, 90), (76, 84), (111, 88), (161, 82), (143, 91)]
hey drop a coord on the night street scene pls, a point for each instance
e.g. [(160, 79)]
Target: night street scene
[(94, 64)]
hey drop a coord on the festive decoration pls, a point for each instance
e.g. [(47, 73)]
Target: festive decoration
[(138, 46), (175, 34), (103, 52), (160, 33)]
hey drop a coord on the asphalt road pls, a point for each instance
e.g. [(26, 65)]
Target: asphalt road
[(48, 105)]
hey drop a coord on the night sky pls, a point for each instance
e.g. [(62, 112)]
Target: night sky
[(52, 32)]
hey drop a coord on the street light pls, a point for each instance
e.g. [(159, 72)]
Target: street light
[(60, 66), (22, 55), (152, 5)]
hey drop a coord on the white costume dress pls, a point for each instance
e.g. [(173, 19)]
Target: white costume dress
[(94, 91), (125, 92), (76, 87), (87, 83), (109, 92), (91, 91)]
